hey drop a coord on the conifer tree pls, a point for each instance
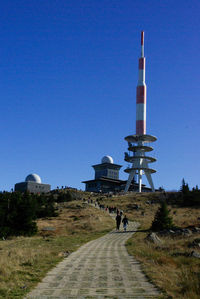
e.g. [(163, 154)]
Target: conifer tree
[(162, 220), (184, 187)]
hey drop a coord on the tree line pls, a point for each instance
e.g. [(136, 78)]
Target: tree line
[(19, 211), (184, 198)]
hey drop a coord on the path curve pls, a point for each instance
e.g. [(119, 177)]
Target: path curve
[(101, 268)]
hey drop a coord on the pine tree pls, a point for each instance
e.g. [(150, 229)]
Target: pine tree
[(184, 187), (22, 214), (162, 220)]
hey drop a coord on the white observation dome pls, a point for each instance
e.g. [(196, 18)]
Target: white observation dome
[(33, 178), (107, 159)]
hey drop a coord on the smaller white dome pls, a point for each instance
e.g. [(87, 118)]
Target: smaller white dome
[(33, 178), (107, 159)]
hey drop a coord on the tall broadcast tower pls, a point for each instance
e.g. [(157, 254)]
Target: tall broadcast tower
[(138, 144)]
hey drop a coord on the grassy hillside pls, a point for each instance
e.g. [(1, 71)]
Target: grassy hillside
[(24, 261), (169, 264)]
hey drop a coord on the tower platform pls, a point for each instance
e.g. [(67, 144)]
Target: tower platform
[(140, 162)]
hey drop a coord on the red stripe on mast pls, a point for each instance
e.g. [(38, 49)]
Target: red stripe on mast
[(140, 127), (141, 95), (141, 63), (142, 38)]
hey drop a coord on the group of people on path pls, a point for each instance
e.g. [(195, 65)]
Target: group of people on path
[(119, 220)]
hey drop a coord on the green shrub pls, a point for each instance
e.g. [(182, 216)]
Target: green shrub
[(162, 220), (65, 197)]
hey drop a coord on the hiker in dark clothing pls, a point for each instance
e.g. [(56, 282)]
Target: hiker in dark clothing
[(125, 222), (118, 221)]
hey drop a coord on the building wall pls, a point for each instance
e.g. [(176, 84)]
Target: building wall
[(113, 174), (100, 172), (93, 187), (108, 171), (103, 187), (32, 187)]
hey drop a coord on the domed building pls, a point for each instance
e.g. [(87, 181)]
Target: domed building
[(32, 184), (107, 159), (33, 178), (106, 177)]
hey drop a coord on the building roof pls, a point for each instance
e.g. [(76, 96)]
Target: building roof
[(107, 165), (107, 159), (33, 178), (107, 180)]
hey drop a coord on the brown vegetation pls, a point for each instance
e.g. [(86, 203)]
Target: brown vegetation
[(25, 260), (169, 265)]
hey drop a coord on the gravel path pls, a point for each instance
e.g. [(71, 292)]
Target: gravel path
[(99, 269)]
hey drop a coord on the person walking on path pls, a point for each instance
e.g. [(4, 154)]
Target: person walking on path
[(125, 222), (118, 221)]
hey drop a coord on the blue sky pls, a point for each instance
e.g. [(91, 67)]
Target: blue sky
[(68, 76)]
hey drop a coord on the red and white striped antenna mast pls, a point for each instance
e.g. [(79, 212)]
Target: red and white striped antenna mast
[(142, 44), (136, 143)]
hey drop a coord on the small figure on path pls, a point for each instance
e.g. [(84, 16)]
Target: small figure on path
[(125, 222), (118, 221)]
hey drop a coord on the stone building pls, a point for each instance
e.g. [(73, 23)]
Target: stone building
[(106, 178), (32, 184)]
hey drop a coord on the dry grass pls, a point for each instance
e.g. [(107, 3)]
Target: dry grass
[(144, 214), (168, 265), (185, 217), (75, 218), (24, 261)]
